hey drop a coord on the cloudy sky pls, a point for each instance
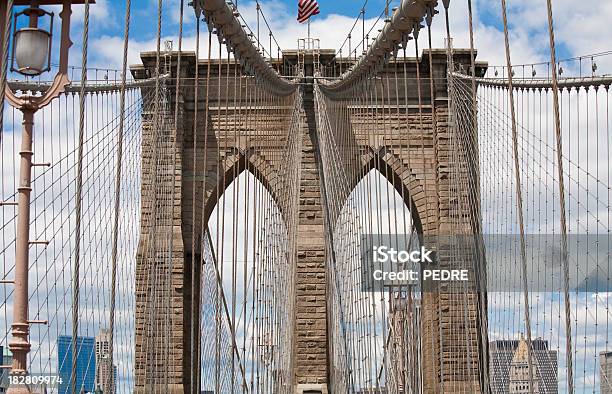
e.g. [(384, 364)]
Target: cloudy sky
[(579, 29)]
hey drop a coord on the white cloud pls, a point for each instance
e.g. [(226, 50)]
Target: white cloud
[(107, 50), (100, 14), (528, 30)]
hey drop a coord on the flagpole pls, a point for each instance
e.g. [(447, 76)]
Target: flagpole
[(308, 29)]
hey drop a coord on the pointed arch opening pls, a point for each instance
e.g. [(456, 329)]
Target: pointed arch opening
[(243, 321), (379, 323)]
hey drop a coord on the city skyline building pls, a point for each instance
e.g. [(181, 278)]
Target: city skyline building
[(508, 366), (605, 372), (5, 359), (519, 375), (105, 372), (85, 365)]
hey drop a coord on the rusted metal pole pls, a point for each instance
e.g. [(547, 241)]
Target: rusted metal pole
[(20, 345)]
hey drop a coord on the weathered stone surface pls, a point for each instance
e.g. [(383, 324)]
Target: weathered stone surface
[(310, 293), (178, 192)]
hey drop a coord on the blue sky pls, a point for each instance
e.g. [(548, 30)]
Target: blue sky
[(528, 27)]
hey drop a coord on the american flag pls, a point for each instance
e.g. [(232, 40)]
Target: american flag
[(306, 9)]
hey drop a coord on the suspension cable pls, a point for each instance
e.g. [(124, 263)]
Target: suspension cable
[(118, 185), (519, 199), (562, 208), (79, 198)]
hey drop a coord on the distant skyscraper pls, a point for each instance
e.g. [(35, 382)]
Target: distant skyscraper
[(5, 359), (105, 372), (519, 376), (508, 366), (605, 372), (103, 343), (85, 366), (3, 373)]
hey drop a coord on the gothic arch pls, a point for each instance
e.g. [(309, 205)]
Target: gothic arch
[(406, 183), (254, 163)]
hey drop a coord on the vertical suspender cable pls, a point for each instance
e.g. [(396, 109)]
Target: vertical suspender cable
[(249, 127), (194, 245), (449, 74), (204, 225), (417, 65), (562, 217), (158, 120), (78, 202), (401, 380), (247, 204), (217, 196), (413, 379), (258, 24), (152, 238), (473, 66), (119, 160), (449, 48), (363, 35), (223, 158), (235, 191), (480, 259), (474, 140), (519, 196), (175, 133), (434, 115)]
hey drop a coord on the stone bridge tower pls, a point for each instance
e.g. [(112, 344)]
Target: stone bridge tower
[(414, 167)]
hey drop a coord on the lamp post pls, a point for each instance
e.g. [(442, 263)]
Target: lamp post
[(31, 56)]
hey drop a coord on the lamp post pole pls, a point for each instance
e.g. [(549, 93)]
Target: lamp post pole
[(20, 325), (20, 345), (28, 105)]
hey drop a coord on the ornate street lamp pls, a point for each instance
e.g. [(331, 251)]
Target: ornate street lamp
[(32, 44), (31, 56)]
